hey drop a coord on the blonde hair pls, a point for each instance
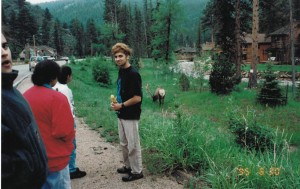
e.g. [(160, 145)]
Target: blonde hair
[(121, 47)]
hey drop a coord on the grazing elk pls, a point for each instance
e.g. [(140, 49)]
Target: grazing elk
[(159, 94)]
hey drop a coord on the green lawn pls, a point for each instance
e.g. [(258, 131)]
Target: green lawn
[(191, 132), (263, 67)]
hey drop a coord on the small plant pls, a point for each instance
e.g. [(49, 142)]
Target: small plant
[(270, 93), (184, 82), (201, 67)]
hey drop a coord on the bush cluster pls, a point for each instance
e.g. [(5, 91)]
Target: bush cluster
[(252, 135), (100, 70)]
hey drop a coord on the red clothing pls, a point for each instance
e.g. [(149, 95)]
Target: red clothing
[(56, 124)]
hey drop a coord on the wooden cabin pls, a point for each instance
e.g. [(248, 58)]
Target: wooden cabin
[(264, 43), (280, 43)]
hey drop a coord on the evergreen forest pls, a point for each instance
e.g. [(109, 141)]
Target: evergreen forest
[(153, 28)]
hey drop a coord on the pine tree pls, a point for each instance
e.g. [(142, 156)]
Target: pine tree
[(16, 47), (222, 79), (78, 32), (148, 22), (111, 32), (57, 37), (125, 24), (297, 9), (270, 94), (199, 40), (166, 17), (111, 11), (46, 28), (26, 25), (91, 36), (273, 15), (138, 33)]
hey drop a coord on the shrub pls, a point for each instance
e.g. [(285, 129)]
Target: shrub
[(184, 82), (222, 79), (100, 72), (298, 92), (135, 62), (72, 60)]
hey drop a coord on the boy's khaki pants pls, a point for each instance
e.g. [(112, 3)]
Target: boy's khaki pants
[(130, 144)]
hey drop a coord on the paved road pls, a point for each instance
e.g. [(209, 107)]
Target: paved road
[(24, 71)]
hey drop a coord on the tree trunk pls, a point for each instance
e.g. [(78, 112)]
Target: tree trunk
[(238, 59), (292, 48), (168, 39), (255, 61)]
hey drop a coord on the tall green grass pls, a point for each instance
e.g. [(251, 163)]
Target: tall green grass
[(191, 131)]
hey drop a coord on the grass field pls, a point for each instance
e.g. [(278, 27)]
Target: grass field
[(192, 131)]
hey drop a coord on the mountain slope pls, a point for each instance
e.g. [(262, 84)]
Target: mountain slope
[(66, 10)]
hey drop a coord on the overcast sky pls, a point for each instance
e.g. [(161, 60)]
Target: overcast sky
[(38, 1)]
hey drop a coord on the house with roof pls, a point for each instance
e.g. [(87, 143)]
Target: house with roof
[(209, 47), (42, 50), (264, 43), (280, 43), (186, 53)]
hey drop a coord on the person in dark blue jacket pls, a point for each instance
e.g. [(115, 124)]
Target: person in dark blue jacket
[(23, 155)]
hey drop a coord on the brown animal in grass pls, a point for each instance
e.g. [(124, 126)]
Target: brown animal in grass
[(159, 94)]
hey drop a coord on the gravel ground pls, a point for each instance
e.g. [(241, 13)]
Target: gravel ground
[(101, 159)]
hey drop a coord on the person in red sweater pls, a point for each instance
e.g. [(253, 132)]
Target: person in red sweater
[(52, 112)]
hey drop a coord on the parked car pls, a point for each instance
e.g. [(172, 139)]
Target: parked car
[(34, 60), (48, 58), (65, 58)]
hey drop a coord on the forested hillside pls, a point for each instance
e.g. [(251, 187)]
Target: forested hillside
[(66, 10)]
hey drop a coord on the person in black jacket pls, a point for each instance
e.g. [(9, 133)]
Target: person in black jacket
[(23, 155), (128, 107)]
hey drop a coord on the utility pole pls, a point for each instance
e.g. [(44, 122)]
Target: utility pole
[(27, 51), (34, 45), (292, 48), (212, 29)]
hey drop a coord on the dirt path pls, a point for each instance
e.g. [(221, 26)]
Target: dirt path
[(101, 159)]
